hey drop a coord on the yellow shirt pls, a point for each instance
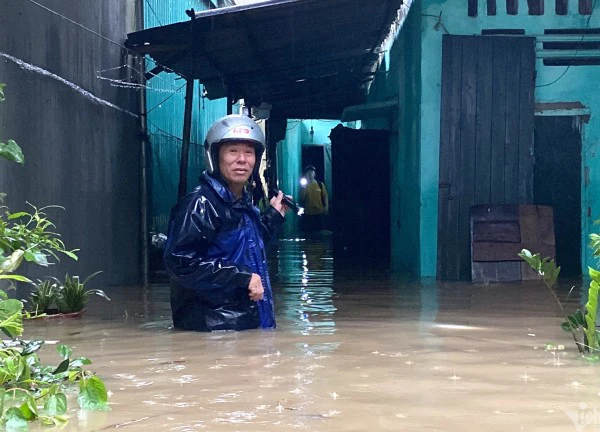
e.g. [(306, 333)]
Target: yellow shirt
[(313, 197)]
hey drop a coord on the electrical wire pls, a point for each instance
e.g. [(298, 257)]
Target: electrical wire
[(438, 24), (129, 50), (153, 12), (165, 99), (170, 135)]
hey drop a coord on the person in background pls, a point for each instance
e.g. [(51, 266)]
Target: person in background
[(315, 200), (215, 249)]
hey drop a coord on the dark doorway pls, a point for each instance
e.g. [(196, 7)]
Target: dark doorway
[(314, 155), (557, 183), (486, 136), (361, 180)]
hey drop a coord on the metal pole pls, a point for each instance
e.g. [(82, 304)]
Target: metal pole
[(230, 99), (185, 146), (143, 171)]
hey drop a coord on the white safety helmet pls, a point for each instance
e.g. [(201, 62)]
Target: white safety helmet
[(233, 127)]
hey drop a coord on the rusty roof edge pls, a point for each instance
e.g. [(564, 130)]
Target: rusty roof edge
[(386, 34)]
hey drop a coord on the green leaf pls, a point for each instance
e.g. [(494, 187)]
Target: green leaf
[(14, 420), (71, 254), (87, 279), (11, 151), (81, 361), (64, 351), (566, 326), (29, 409), (13, 262), (92, 394), (17, 215), (17, 278), (572, 321), (56, 404), (62, 367), (594, 274), (99, 292), (579, 318), (11, 318), (38, 257), (2, 394), (2, 85)]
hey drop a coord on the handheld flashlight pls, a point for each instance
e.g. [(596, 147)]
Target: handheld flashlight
[(289, 203)]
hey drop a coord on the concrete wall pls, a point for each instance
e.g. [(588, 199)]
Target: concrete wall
[(400, 77), (578, 84), (81, 152)]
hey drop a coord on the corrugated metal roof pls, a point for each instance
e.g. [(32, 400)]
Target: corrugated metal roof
[(308, 58)]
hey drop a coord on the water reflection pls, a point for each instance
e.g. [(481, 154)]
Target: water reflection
[(305, 278), (356, 349)]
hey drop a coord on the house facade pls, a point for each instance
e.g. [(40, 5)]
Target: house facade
[(497, 105)]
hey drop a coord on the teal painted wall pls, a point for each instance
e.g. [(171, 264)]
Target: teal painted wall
[(400, 77), (321, 128), (289, 159), (578, 84), (165, 102), (289, 170)]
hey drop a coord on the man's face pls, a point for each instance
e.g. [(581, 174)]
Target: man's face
[(236, 162), (310, 175)]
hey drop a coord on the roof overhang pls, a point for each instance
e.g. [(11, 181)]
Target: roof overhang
[(307, 58)]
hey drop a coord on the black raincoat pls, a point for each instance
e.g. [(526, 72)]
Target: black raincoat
[(214, 244)]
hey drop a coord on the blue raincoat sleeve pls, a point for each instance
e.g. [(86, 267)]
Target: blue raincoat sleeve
[(193, 227), (271, 221)]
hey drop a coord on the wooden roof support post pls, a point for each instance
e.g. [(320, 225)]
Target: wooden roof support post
[(185, 145), (187, 119)]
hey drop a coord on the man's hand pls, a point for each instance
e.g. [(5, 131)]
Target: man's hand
[(256, 288), (279, 206)]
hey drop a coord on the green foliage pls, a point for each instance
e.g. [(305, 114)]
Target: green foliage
[(43, 296), (10, 150), (32, 391), (545, 267), (29, 390), (583, 321), (29, 236), (72, 295)]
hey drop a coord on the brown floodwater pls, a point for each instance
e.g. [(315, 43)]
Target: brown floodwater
[(356, 349)]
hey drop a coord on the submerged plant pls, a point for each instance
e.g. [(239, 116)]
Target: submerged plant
[(72, 295), (32, 391), (43, 296), (582, 321)]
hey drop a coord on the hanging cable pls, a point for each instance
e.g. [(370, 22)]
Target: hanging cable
[(153, 12), (129, 50)]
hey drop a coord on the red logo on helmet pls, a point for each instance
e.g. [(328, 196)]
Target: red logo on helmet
[(241, 130)]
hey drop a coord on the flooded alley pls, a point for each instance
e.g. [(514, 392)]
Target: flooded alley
[(355, 350)]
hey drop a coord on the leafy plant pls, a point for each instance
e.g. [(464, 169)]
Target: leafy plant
[(29, 390), (582, 321), (28, 236), (10, 150), (32, 391), (43, 296), (72, 295)]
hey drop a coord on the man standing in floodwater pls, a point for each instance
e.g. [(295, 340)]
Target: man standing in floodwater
[(215, 250)]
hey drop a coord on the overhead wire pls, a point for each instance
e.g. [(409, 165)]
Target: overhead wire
[(129, 50)]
